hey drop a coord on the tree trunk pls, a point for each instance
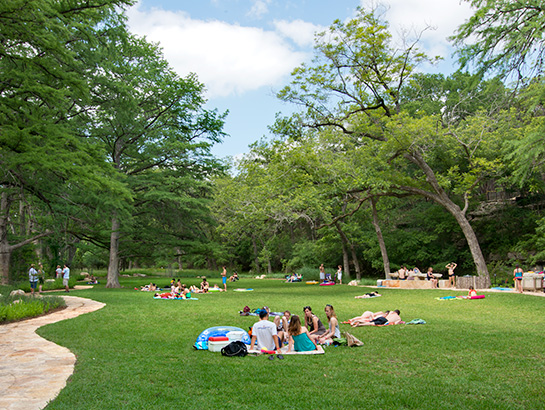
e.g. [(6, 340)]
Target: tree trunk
[(350, 245), (256, 255), (113, 265), (381, 244), (346, 261), (440, 196), (5, 257)]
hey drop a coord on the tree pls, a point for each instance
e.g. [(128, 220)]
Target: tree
[(506, 37), (355, 85), (157, 136), (45, 50)]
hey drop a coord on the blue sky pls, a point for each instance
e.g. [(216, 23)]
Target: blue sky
[(244, 50)]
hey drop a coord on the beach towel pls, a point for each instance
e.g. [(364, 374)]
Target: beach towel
[(175, 298), (416, 322), (284, 351)]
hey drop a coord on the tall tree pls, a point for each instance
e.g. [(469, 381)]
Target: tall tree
[(355, 85), (46, 49), (157, 135)]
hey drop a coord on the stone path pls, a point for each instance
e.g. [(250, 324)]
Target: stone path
[(33, 370)]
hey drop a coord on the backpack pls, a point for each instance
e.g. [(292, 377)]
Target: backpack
[(237, 348)]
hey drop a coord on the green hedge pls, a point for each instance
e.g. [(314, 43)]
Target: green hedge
[(13, 308)]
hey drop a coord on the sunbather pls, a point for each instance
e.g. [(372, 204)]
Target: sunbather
[(368, 295), (299, 339), (282, 323), (366, 317), (204, 285), (392, 318), (333, 331), (313, 323)]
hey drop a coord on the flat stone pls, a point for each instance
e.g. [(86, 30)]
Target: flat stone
[(29, 361)]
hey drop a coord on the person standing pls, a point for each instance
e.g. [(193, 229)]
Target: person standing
[(451, 277), (340, 274), (65, 277), (322, 273), (41, 276), (33, 278), (58, 272), (517, 277), (224, 278)]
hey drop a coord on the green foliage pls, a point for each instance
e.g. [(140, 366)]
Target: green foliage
[(13, 308), (504, 36)]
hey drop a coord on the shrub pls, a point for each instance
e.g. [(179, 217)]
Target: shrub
[(13, 308)]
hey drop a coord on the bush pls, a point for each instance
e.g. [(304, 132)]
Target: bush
[(13, 308)]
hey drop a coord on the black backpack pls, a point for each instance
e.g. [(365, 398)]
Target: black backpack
[(237, 348)]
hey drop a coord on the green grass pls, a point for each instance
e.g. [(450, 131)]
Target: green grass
[(136, 353)]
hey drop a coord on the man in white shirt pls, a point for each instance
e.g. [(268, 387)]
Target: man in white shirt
[(264, 332), (33, 278)]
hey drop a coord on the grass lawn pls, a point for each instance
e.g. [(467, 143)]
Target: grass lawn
[(136, 353)]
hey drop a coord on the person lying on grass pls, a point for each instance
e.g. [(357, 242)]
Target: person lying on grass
[(368, 295), (333, 331), (366, 317), (392, 318), (313, 323), (149, 288), (299, 339)]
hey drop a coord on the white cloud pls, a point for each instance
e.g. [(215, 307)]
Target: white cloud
[(228, 59), (299, 31), (259, 8), (414, 15)]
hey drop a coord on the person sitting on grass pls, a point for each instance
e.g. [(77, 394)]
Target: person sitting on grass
[(234, 277), (472, 291), (281, 323), (313, 323), (204, 285), (431, 278), (333, 331), (299, 339), (264, 333), (368, 295)]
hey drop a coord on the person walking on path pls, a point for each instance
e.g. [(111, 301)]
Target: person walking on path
[(224, 278), (517, 277), (33, 278), (65, 277)]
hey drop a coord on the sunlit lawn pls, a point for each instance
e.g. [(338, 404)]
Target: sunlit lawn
[(137, 352)]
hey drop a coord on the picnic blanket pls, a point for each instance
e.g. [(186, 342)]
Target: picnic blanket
[(174, 298), (284, 351), (243, 290)]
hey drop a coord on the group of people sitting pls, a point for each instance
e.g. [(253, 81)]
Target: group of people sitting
[(369, 318), (301, 334)]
